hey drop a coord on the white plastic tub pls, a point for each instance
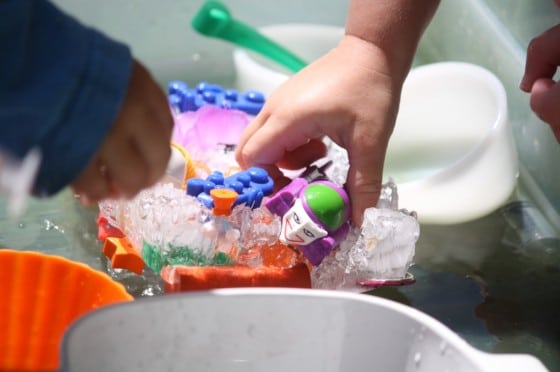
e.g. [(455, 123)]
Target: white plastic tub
[(452, 153), (272, 330)]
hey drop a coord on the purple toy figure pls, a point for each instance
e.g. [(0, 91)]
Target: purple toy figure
[(315, 216)]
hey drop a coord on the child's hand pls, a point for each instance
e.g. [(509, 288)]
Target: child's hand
[(543, 58), (349, 96), (135, 152)]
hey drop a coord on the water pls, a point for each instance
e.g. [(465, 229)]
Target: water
[(499, 296), (420, 161)]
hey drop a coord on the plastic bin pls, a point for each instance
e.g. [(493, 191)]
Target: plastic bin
[(273, 330)]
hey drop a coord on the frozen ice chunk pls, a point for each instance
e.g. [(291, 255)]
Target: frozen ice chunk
[(387, 243), (164, 217), (389, 197), (337, 270), (338, 170), (382, 249), (257, 227)]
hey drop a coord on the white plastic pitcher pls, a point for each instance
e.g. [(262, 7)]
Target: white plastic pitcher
[(272, 330)]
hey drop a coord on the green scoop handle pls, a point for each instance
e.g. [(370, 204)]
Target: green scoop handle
[(214, 20)]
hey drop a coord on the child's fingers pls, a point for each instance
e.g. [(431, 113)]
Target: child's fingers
[(545, 96), (146, 119), (304, 155), (366, 155), (93, 184), (240, 152), (280, 180), (270, 141), (543, 57), (127, 168), (153, 145), (154, 136), (364, 186)]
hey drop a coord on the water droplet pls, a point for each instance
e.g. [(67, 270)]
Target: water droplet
[(48, 225), (417, 359), (443, 348), (21, 225), (421, 333)]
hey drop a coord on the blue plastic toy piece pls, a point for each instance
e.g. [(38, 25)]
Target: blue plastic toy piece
[(182, 98), (251, 185)]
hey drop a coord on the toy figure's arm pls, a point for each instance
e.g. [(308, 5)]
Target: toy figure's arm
[(316, 251), (340, 234), (282, 201)]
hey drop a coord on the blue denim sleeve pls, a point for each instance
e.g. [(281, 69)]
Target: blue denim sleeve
[(61, 87)]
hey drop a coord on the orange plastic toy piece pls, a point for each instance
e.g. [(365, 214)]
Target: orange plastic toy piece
[(106, 230), (190, 169), (193, 278), (223, 201), (123, 255), (41, 296)]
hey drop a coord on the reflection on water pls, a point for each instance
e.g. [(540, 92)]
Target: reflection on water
[(58, 225), (501, 296)]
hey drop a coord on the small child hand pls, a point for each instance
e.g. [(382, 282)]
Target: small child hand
[(135, 152), (543, 58), (347, 95)]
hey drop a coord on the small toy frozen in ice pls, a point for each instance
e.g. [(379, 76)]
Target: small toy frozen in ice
[(315, 216)]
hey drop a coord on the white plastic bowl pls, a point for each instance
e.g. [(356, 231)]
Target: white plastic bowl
[(452, 153), (273, 330), (307, 41)]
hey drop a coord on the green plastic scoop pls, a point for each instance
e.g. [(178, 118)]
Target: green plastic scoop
[(214, 20)]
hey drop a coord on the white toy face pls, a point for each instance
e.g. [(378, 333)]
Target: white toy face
[(298, 228)]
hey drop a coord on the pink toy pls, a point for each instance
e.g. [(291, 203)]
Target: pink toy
[(208, 128)]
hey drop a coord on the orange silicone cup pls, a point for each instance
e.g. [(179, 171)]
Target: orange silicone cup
[(41, 296)]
